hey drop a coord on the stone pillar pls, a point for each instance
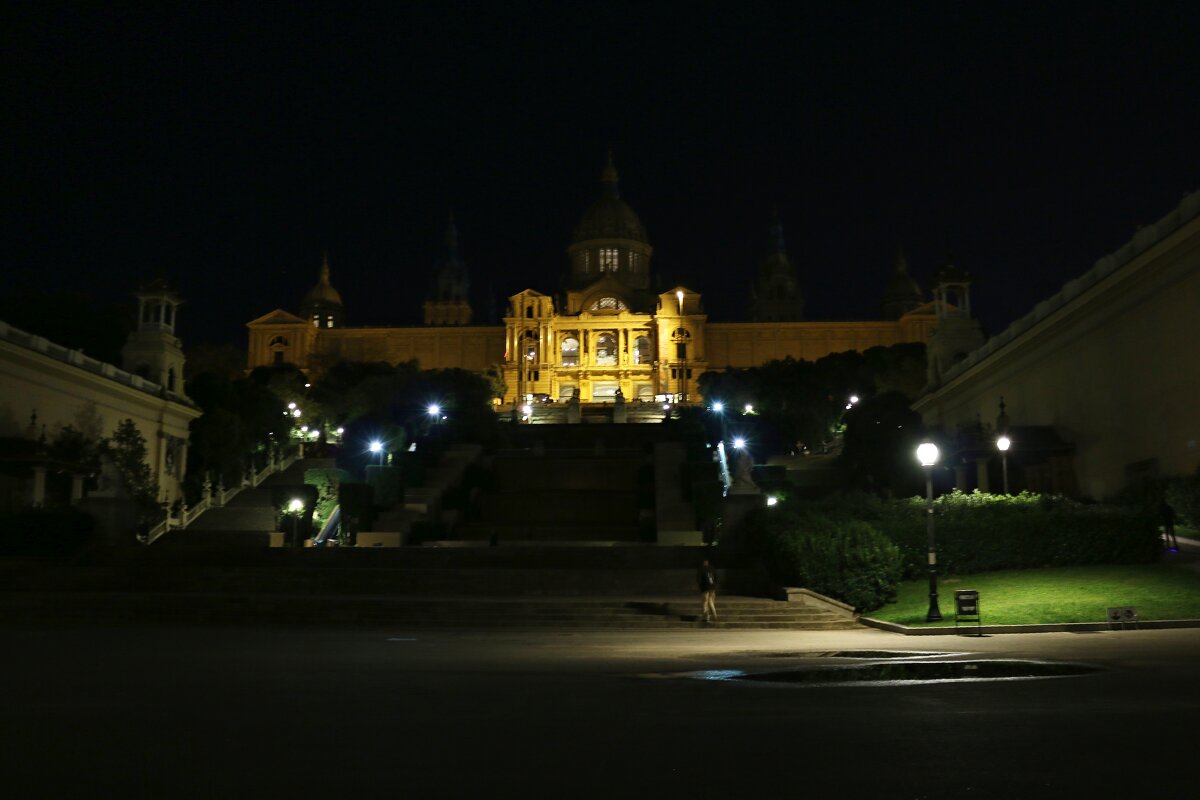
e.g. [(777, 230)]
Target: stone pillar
[(39, 486), (960, 477), (981, 474), (76, 487)]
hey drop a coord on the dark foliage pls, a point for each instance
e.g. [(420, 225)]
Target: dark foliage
[(45, 533), (843, 558), (1183, 495), (981, 532), (804, 401)]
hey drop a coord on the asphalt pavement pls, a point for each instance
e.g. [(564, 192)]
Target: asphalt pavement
[(334, 712)]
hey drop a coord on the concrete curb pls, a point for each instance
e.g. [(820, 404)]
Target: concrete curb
[(1053, 627)]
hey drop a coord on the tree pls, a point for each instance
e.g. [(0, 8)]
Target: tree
[(127, 449)]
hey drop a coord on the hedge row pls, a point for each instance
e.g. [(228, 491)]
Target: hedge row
[(843, 558), (980, 532)]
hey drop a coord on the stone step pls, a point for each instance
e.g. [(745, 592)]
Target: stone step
[(115, 607)]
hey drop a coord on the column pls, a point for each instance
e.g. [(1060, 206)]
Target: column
[(39, 486), (981, 474), (76, 487), (960, 477)]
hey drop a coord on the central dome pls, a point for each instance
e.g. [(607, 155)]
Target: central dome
[(610, 217)]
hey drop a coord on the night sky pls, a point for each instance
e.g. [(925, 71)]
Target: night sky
[(226, 146)]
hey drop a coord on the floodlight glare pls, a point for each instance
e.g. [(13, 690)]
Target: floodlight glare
[(291, 406), (772, 500), (296, 413), (853, 399), (739, 443), (749, 408), (434, 409), (927, 454), (718, 407), (375, 446), (1003, 443), (296, 505)]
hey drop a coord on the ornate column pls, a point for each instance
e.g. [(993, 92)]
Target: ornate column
[(39, 486)]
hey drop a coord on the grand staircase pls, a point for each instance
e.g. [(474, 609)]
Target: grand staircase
[(618, 587)]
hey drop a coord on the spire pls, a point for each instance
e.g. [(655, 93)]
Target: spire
[(452, 256), (324, 275), (775, 243), (901, 261), (608, 179)]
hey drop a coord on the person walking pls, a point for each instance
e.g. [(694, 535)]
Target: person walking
[(1168, 519), (706, 579)]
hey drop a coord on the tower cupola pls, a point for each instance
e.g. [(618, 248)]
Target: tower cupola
[(323, 304), (450, 303), (152, 351), (775, 294), (610, 241)]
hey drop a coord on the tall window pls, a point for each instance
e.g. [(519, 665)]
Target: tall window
[(641, 350), (635, 262), (608, 304), (608, 259), (570, 352), (606, 350)]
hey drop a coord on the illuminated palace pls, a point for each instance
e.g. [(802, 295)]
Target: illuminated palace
[(608, 331)]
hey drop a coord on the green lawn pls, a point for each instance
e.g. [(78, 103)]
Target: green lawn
[(1060, 594)]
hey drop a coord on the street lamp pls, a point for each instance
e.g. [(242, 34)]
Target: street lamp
[(295, 507), (927, 454), (739, 443), (1002, 444), (718, 407), (376, 446)]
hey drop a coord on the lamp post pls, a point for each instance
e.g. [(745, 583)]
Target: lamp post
[(294, 508), (927, 454), (376, 446), (1002, 444), (682, 361)]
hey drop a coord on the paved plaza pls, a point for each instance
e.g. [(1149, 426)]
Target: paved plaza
[(302, 712)]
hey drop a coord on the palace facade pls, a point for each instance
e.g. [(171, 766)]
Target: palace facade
[(608, 331)]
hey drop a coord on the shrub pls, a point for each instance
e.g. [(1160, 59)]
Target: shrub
[(1184, 496), (980, 532), (843, 558)]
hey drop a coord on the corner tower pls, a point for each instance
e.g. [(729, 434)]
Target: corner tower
[(775, 295), (449, 304), (955, 333), (152, 351), (609, 244)]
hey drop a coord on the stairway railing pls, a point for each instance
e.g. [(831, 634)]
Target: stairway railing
[(220, 496)]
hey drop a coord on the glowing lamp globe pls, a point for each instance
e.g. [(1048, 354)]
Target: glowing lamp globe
[(927, 454)]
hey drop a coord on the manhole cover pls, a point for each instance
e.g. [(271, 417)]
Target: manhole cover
[(905, 672)]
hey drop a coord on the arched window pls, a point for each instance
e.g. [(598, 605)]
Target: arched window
[(606, 350), (278, 341), (529, 312), (609, 258), (570, 352), (641, 350), (608, 304), (530, 349)]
